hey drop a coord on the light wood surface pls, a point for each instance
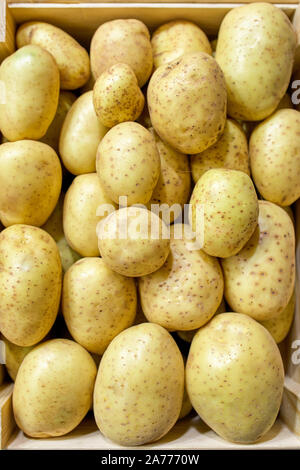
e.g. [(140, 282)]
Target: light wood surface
[(7, 32), (7, 422)]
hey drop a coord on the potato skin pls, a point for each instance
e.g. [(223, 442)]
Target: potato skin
[(192, 88), (176, 38), (139, 387), (81, 202), (230, 151), (30, 182), (14, 356), (259, 280), (31, 80), (30, 284), (230, 210), (280, 325), (235, 376), (53, 389), (122, 41), (275, 157), (186, 291), (128, 163), (255, 50), (80, 136), (97, 303), (71, 58)]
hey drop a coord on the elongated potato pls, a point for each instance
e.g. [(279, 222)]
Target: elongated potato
[(71, 58), (280, 326)]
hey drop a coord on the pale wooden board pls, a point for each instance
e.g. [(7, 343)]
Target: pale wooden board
[(7, 422), (7, 32), (146, 1)]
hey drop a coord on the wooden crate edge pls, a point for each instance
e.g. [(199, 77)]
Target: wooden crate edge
[(7, 421)]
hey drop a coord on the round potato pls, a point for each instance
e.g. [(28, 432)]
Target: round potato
[(30, 83), (275, 157), (280, 326), (187, 102), (30, 284), (83, 199), (186, 406), (128, 163), (139, 387), (230, 151), (66, 99), (255, 50), (116, 95), (54, 388), (174, 184), (176, 38), (224, 211), (122, 41), (14, 356), (30, 182), (259, 280), (80, 136), (133, 241), (187, 290), (234, 377), (72, 59), (97, 303)]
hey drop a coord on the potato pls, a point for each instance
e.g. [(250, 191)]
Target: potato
[(174, 183), (235, 376), (66, 99), (53, 389), (97, 303), (71, 58), (30, 81), (80, 136), (255, 50), (186, 406), (230, 151), (228, 203), (14, 356), (176, 38), (54, 226), (80, 219), (133, 241), (280, 326), (116, 96), (213, 45), (139, 387), (187, 102), (128, 163), (30, 182), (30, 284), (259, 280), (187, 290), (275, 157), (144, 118), (122, 41)]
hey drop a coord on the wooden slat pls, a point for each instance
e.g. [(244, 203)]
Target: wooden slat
[(7, 31), (147, 1), (7, 422)]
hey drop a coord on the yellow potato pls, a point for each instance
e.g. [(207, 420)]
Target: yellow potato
[(14, 356), (53, 389), (230, 151), (97, 303), (139, 387), (54, 226), (213, 45), (30, 284), (176, 38), (80, 136), (174, 183), (116, 96), (71, 58), (235, 376), (66, 99), (30, 90), (255, 50), (187, 290), (275, 157), (187, 102), (144, 118), (224, 211), (80, 219), (280, 326), (133, 241), (126, 41), (128, 163), (30, 182), (186, 406), (259, 280)]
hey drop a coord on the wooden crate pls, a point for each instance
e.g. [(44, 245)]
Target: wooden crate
[(81, 20)]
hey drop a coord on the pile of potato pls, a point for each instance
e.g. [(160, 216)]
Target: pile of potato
[(100, 293)]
